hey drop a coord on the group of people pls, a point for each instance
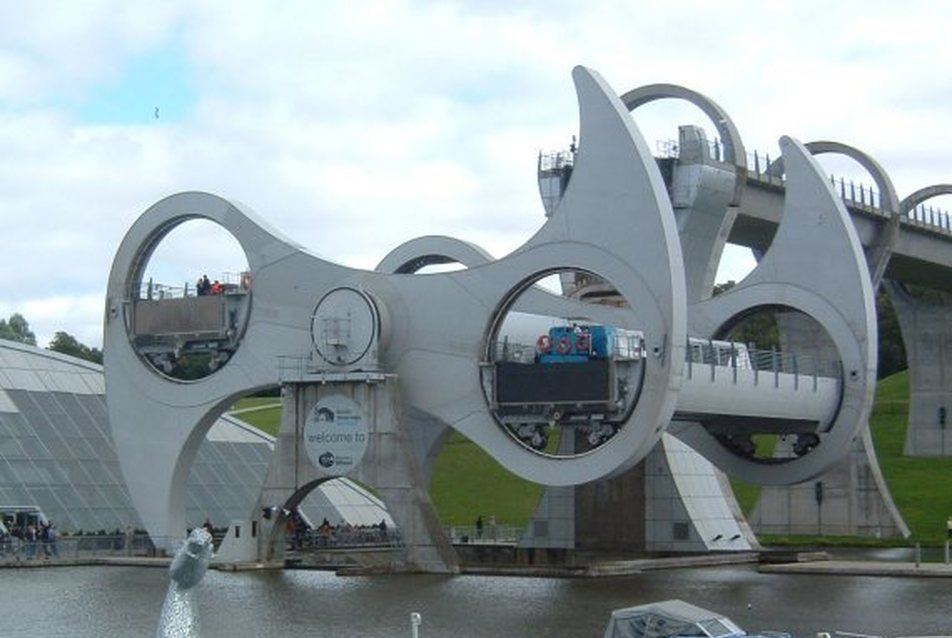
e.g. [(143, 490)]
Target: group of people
[(300, 535), (38, 538), (205, 287)]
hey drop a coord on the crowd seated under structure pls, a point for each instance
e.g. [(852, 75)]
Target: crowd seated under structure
[(301, 536)]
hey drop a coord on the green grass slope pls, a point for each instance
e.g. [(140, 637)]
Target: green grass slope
[(467, 482), (920, 486)]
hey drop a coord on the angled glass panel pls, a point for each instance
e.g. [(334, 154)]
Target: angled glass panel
[(51, 471), (203, 496), (75, 474), (7, 476), (81, 449), (72, 499), (18, 495), (96, 473), (201, 474), (24, 380), (117, 495), (112, 469), (56, 446), (10, 448), (80, 423), (6, 403), (193, 499), (48, 501), (47, 403), (95, 407), (230, 471), (208, 452), (232, 498), (16, 424), (102, 448), (47, 470), (34, 448), (26, 472), (93, 497)]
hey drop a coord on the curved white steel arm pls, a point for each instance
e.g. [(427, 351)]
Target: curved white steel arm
[(816, 265)]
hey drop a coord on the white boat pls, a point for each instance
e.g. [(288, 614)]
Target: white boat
[(675, 619), (678, 619)]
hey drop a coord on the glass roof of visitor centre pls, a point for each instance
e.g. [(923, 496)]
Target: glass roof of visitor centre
[(56, 455)]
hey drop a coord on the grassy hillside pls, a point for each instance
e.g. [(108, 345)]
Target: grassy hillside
[(920, 486), (468, 482), (262, 412)]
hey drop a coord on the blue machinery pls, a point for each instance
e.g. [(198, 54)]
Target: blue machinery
[(408, 358)]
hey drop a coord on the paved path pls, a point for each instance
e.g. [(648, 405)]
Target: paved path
[(805, 563), (132, 561), (862, 568)]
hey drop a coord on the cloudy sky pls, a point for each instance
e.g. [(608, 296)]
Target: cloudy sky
[(354, 126)]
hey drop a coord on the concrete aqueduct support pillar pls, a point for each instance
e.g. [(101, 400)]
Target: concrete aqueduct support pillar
[(673, 501), (388, 465), (927, 335)]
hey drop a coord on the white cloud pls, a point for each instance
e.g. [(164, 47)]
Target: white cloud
[(63, 48), (355, 126)]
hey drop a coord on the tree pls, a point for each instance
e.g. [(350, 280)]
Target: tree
[(761, 328), (892, 350), (17, 329), (65, 343), (758, 328)]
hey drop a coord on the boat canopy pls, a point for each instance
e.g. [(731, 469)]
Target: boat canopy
[(670, 619)]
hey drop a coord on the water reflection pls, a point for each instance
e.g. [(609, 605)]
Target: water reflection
[(106, 602)]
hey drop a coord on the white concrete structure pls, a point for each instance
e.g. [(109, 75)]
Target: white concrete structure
[(436, 342)]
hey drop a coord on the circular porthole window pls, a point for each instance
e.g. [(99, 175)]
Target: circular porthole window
[(564, 365), (190, 300)]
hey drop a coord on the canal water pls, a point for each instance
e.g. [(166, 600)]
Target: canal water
[(106, 602)]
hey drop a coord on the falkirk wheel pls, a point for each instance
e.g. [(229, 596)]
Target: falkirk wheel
[(401, 358)]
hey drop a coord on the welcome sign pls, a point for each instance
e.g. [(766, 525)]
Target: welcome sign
[(335, 434)]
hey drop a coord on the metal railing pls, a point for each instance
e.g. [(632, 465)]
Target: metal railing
[(345, 538), (555, 160), (308, 367), (17, 550), (490, 534), (714, 354), (770, 364), (855, 194), (670, 149), (231, 282)]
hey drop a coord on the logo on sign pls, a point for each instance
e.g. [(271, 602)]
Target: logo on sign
[(335, 434)]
